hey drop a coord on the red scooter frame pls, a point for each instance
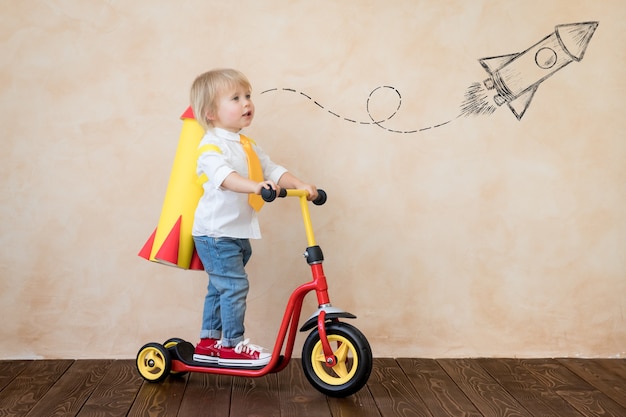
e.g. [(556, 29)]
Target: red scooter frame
[(336, 359)]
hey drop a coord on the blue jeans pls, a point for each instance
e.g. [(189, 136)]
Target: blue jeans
[(224, 260)]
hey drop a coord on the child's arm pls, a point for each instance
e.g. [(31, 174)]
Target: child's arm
[(288, 180), (239, 184)]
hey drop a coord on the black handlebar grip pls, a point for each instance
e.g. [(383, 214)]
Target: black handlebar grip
[(321, 198), (269, 194)]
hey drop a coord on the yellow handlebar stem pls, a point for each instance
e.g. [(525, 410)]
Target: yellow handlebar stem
[(306, 216)]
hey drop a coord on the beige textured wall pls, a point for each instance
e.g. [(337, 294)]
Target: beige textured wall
[(487, 236)]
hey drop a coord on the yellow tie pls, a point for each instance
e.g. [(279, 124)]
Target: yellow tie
[(255, 172)]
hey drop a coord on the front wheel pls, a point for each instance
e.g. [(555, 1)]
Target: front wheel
[(354, 360)]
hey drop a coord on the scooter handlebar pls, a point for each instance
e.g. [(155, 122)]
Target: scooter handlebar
[(270, 195)]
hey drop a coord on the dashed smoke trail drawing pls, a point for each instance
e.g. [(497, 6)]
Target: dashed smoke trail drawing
[(372, 120), (514, 78)]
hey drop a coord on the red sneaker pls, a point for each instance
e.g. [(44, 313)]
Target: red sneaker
[(208, 350), (244, 354)]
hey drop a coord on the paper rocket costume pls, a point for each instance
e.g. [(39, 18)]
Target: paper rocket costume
[(171, 242)]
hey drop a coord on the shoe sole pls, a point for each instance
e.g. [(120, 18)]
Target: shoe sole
[(205, 358), (243, 363)]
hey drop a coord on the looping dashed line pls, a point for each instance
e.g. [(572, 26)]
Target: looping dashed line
[(372, 121)]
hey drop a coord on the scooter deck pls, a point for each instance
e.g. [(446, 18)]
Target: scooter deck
[(184, 351)]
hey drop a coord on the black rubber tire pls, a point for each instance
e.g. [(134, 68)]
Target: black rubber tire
[(354, 357)]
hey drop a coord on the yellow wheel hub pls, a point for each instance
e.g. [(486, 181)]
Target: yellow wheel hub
[(151, 363), (347, 361)]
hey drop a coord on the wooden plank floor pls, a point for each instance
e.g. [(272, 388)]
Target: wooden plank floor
[(397, 387)]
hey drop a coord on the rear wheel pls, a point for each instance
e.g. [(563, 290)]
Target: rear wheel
[(353, 360), (154, 362), (170, 343)]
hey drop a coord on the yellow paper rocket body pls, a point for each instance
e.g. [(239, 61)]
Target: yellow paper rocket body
[(172, 242)]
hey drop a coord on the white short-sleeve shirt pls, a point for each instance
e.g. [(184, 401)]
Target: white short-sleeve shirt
[(220, 212)]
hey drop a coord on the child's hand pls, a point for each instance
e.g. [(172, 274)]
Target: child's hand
[(267, 185), (288, 180), (311, 189)]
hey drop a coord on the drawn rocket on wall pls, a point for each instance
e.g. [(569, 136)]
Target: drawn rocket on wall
[(171, 242), (517, 76)]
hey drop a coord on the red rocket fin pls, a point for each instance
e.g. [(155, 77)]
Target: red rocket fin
[(196, 263), (168, 252), (494, 63), (147, 248), (521, 102)]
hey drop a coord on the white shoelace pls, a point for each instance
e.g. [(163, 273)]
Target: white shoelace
[(247, 347)]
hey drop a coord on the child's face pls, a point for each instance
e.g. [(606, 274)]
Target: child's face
[(235, 109)]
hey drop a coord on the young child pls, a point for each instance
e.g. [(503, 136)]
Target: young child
[(225, 219)]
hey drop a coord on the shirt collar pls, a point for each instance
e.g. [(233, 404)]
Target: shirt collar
[(226, 134)]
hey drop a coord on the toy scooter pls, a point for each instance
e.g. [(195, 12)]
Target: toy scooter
[(336, 356)]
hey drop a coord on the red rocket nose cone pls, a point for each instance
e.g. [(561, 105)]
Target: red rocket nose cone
[(575, 37), (188, 114)]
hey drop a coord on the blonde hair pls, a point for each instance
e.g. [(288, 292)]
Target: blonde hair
[(207, 87)]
